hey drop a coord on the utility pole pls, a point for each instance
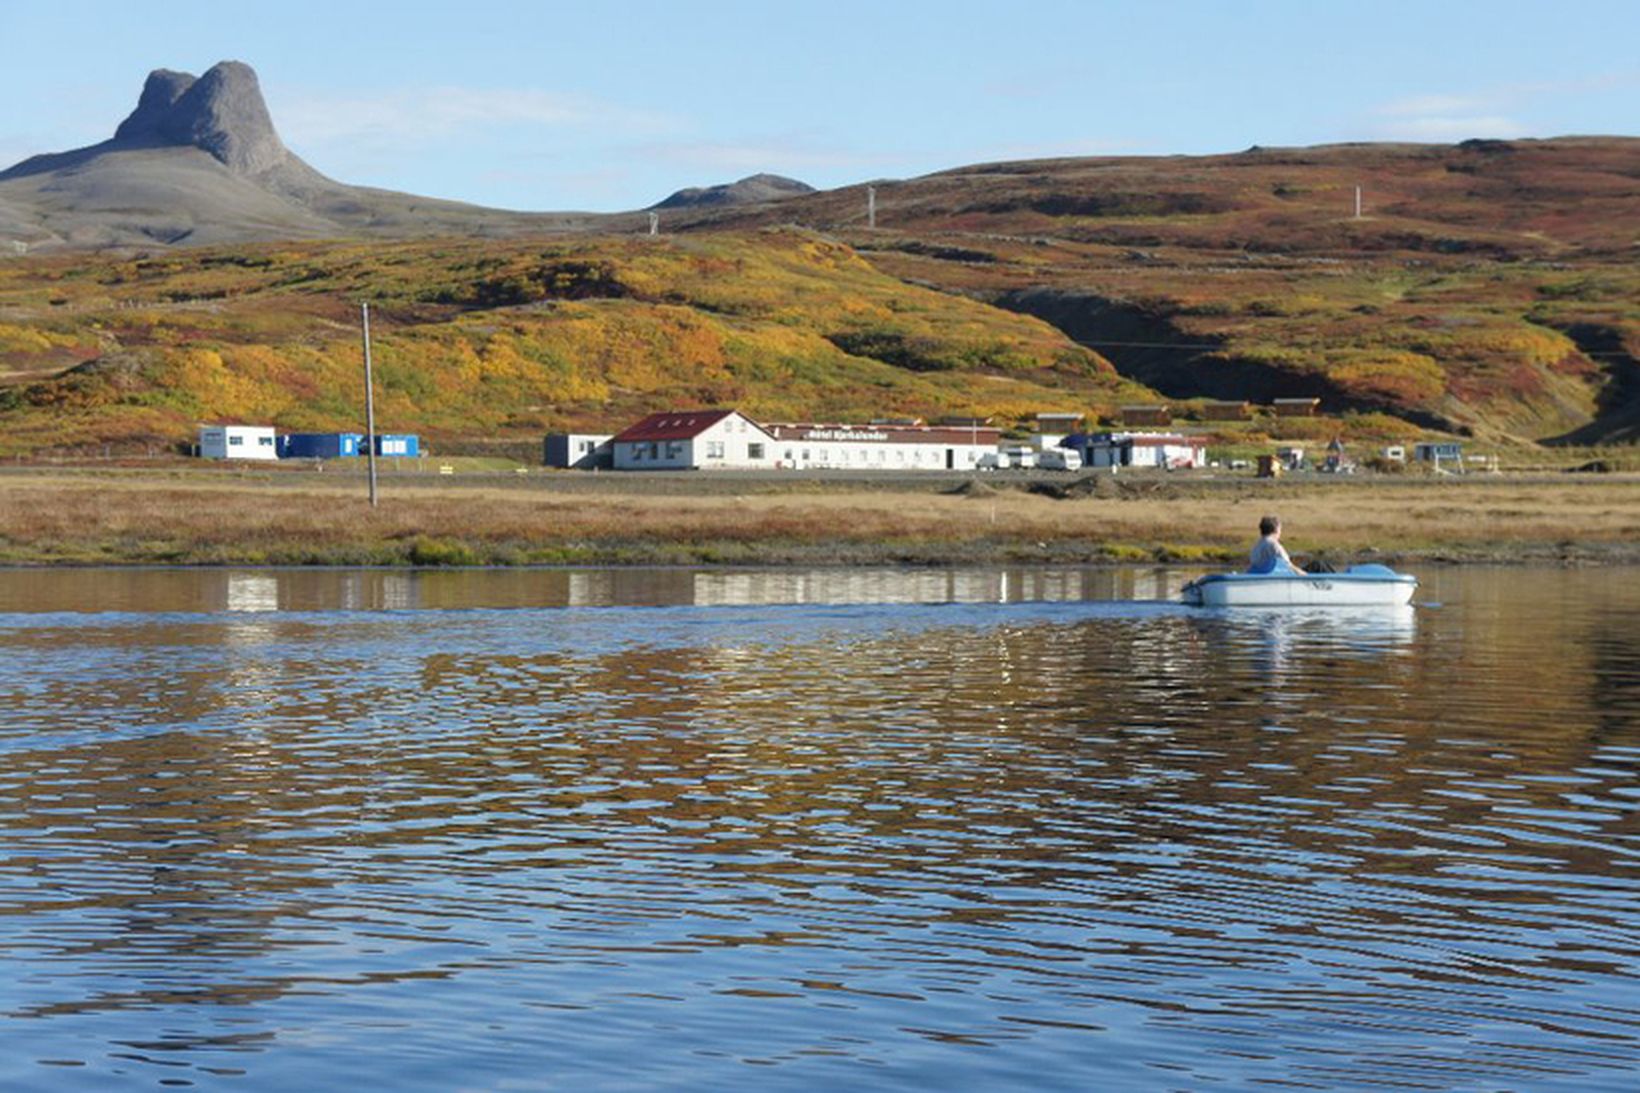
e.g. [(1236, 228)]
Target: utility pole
[(369, 404), (654, 223), (871, 207), (1358, 203)]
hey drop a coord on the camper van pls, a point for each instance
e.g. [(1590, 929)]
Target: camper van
[(1059, 459)]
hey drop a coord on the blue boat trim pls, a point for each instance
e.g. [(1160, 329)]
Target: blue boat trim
[(1358, 574)]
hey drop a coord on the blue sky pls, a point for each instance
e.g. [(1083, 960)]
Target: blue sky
[(611, 106)]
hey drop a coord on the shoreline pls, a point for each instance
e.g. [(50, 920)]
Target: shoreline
[(231, 518)]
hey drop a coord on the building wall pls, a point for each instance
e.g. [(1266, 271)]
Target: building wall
[(734, 442), (238, 442), (884, 456), (577, 451), (319, 445), (885, 448)]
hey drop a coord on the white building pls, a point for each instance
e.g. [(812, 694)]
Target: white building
[(686, 440), (577, 451), (725, 439), (896, 447), (237, 442), (1142, 450)]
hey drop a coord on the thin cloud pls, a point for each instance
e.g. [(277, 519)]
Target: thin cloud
[(1447, 129), (771, 155), (1483, 112), (413, 117), (1059, 149), (1437, 105)]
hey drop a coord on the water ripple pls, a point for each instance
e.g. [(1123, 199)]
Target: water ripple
[(1065, 845)]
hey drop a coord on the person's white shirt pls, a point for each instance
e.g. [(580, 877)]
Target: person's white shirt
[(1269, 555)]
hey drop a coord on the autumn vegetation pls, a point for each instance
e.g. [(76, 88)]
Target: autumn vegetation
[(480, 339), (214, 519)]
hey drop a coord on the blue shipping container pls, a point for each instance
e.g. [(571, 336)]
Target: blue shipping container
[(398, 444), (319, 445)]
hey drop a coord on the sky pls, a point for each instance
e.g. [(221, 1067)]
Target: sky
[(613, 105)]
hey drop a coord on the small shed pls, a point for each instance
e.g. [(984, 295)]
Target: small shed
[(406, 445), (1053, 428), (1227, 410), (1296, 407), (578, 451), (238, 442), (1438, 452), (1146, 415), (320, 445)]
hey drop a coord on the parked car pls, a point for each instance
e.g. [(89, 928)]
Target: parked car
[(992, 461)]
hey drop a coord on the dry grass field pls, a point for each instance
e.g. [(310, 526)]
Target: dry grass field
[(91, 518)]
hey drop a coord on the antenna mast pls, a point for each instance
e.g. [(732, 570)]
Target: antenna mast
[(654, 223), (369, 404), (871, 207)]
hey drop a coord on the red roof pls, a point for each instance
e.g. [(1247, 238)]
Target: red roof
[(673, 425)]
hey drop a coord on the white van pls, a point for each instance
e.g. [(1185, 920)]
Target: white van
[(1023, 458), (1059, 459)]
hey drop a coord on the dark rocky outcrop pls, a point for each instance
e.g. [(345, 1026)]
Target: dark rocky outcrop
[(752, 190)]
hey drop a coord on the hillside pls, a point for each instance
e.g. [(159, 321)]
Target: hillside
[(497, 339), (1488, 287)]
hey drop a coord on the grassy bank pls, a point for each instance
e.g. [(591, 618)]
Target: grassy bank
[(53, 518)]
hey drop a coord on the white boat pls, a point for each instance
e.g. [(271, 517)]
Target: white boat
[(1357, 586)]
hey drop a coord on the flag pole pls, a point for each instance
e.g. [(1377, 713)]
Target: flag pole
[(369, 405)]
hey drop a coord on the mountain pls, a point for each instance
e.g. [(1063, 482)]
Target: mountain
[(751, 190), (1487, 287), (199, 162)]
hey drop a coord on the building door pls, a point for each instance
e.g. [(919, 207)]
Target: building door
[(950, 459)]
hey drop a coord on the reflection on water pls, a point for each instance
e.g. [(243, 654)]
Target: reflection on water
[(182, 590), (788, 830)]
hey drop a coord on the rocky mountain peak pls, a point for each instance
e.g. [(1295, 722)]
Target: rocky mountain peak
[(221, 112), (159, 93)]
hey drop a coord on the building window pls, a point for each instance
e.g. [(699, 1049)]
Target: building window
[(714, 449), (754, 451), (236, 440)]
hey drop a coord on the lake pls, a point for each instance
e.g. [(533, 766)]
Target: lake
[(817, 829)]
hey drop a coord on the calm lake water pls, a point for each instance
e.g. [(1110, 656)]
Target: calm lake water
[(764, 831)]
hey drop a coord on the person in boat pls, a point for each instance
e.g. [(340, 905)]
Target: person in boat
[(1269, 556)]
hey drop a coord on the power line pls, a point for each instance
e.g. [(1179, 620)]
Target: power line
[(1211, 346)]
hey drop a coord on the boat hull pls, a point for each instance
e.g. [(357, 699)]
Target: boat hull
[(1360, 586)]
